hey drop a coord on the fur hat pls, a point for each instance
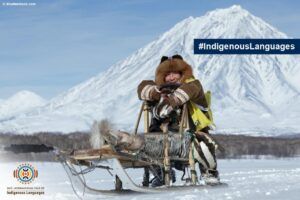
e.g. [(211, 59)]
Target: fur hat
[(173, 64)]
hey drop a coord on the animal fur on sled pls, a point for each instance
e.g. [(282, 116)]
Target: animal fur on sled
[(151, 144), (103, 133)]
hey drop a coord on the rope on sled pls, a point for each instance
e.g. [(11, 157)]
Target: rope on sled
[(178, 146), (66, 168), (71, 171)]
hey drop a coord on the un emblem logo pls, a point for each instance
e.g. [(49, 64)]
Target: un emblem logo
[(25, 173)]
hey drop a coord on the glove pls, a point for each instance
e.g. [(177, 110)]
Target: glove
[(162, 109), (168, 88)]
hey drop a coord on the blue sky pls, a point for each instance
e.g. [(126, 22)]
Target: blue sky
[(57, 44)]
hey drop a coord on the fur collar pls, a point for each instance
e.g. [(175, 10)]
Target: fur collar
[(173, 65)]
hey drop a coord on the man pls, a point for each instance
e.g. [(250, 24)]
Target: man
[(172, 72), (173, 87)]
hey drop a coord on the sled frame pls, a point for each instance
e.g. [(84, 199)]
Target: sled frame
[(117, 170)]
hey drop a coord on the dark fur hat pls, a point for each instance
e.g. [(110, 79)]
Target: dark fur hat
[(174, 64)]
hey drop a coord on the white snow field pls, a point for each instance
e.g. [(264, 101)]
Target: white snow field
[(247, 179), (250, 93)]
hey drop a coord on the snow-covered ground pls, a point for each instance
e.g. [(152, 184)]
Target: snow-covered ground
[(246, 179)]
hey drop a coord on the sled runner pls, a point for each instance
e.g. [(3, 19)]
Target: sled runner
[(118, 154), (114, 165), (108, 161)]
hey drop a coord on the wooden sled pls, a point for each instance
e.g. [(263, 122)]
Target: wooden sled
[(115, 162)]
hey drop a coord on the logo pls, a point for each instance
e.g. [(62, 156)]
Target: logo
[(25, 173)]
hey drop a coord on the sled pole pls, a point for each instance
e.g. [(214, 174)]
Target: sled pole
[(146, 117), (139, 119), (192, 164), (167, 164), (145, 108), (183, 120)]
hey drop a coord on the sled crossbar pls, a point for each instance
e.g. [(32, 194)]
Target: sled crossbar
[(85, 156)]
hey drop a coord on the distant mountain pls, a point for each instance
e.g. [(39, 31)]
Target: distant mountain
[(252, 94), (20, 102), (290, 136)]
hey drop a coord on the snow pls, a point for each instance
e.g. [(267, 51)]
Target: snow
[(247, 179), (250, 93), (19, 103)]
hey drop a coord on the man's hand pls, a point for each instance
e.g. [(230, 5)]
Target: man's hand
[(168, 88)]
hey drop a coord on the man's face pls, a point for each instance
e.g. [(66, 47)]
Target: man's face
[(173, 77)]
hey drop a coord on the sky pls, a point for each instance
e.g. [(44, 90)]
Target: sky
[(54, 45)]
